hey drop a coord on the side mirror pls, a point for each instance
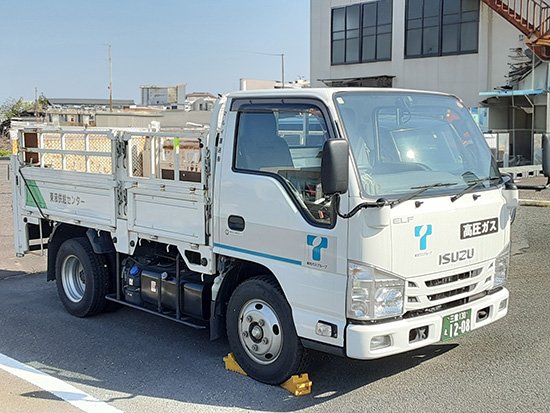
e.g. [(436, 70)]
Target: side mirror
[(546, 155), (334, 167)]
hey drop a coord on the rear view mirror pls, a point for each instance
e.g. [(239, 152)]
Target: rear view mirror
[(334, 167)]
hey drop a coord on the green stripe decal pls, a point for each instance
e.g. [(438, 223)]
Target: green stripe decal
[(33, 188)]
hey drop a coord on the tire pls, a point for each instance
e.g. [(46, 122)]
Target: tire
[(261, 332), (82, 278)]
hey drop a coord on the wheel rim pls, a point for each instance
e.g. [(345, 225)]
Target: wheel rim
[(260, 332), (73, 278)]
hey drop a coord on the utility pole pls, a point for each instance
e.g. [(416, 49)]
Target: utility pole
[(283, 70), (282, 65), (110, 81), (36, 104)]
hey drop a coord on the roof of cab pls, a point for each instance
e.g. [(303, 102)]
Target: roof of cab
[(320, 93)]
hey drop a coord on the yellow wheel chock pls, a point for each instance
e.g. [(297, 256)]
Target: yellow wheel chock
[(298, 385), (231, 364)]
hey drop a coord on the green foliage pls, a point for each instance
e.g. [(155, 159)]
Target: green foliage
[(12, 108), (42, 101), (5, 152)]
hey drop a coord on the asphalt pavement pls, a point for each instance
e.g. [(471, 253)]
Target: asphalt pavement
[(136, 362)]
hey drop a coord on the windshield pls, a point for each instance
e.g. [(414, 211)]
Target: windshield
[(401, 142)]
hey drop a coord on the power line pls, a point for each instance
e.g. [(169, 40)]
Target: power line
[(282, 64)]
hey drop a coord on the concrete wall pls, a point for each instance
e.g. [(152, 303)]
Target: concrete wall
[(179, 118), (257, 84), (125, 120), (167, 119), (464, 75)]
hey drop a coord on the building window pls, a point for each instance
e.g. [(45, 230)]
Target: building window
[(441, 27), (362, 32)]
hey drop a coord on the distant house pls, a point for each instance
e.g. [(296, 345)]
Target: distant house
[(80, 112), (89, 103), (200, 101)]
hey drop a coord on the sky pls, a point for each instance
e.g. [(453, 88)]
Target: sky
[(61, 47)]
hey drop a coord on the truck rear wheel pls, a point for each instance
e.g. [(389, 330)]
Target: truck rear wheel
[(82, 278), (261, 331)]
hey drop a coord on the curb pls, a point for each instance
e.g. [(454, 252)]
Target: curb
[(534, 202)]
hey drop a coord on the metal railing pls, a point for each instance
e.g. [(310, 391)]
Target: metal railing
[(515, 147), (76, 150), (531, 15)]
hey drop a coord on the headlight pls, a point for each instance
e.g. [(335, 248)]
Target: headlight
[(373, 294), (502, 263)]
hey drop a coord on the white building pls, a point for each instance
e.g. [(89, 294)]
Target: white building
[(259, 84), (171, 97), (463, 47)]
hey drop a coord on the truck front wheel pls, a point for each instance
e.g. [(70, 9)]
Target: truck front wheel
[(261, 331), (82, 278)]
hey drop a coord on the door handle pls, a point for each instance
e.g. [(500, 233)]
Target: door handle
[(236, 223)]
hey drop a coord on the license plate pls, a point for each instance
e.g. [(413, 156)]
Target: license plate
[(456, 325)]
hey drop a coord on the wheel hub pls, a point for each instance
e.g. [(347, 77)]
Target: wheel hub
[(73, 278), (256, 333), (260, 332)]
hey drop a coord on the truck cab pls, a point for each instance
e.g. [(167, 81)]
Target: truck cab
[(423, 256)]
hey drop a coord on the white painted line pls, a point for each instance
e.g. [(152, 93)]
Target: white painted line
[(57, 387)]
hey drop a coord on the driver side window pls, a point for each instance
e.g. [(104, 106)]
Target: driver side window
[(287, 144)]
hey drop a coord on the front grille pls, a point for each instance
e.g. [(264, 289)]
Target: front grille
[(451, 293), (435, 292), (453, 278), (435, 309)]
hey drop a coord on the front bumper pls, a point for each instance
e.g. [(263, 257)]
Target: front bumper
[(358, 337)]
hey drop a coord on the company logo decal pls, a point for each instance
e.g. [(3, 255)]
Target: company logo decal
[(318, 255), (318, 244), (423, 231), (478, 228)]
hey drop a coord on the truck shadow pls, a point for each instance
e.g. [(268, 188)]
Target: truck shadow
[(8, 274), (334, 376), (129, 354)]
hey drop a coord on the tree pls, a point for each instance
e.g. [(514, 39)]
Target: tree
[(42, 102), (12, 108)]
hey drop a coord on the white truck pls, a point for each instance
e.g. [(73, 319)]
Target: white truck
[(360, 222)]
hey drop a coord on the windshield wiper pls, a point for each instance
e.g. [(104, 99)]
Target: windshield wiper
[(473, 185), (421, 189), (383, 202)]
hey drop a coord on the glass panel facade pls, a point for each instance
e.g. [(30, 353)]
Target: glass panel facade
[(441, 27), (362, 32)]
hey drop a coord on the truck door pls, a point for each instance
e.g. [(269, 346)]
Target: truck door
[(270, 207)]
